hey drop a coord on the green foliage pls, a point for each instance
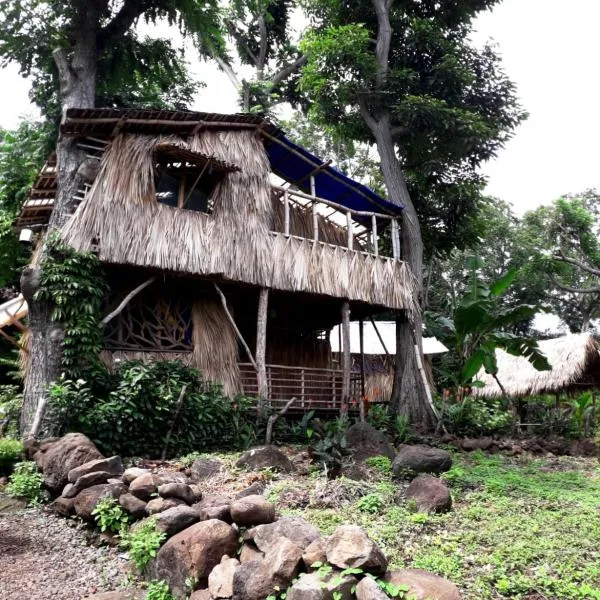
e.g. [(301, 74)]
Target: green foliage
[(26, 482), (371, 503), (11, 451), (379, 417), (110, 516), (158, 590), (380, 463), (11, 403), (142, 542), (330, 448), (132, 412), (582, 414), (73, 283), (477, 416)]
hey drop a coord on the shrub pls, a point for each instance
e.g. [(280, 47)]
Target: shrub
[(110, 516), (379, 417), (330, 448), (11, 451), (142, 543), (158, 590), (11, 402), (133, 411), (380, 463), (371, 503), (26, 482), (473, 417)]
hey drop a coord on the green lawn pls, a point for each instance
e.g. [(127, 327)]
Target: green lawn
[(519, 528)]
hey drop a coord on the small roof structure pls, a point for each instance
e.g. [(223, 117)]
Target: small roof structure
[(575, 360), (372, 343)]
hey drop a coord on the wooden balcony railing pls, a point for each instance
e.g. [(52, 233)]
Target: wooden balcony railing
[(315, 389), (361, 226)]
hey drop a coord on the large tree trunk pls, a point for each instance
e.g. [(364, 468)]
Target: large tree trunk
[(77, 89), (409, 394)]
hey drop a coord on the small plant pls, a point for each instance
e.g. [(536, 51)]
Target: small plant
[(110, 516), (189, 459), (331, 448), (11, 451), (379, 417), (26, 482), (371, 503), (401, 428), (158, 590), (380, 463), (142, 543)]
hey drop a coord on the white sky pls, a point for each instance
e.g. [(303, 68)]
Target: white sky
[(550, 51)]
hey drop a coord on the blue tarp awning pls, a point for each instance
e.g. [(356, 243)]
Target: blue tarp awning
[(295, 164)]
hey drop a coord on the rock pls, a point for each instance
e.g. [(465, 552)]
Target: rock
[(113, 466), (203, 468), (367, 589), (182, 491), (295, 529), (213, 506), (470, 444), (220, 580), (193, 553), (197, 490), (133, 473), (61, 456), (173, 520), (143, 487), (158, 505), (62, 506), (11, 505), (201, 595), (257, 579), (263, 457), (164, 477), (349, 546), (421, 459), (256, 489), (252, 510), (365, 441), (134, 506), (314, 552), (311, 586), (430, 493), (85, 502), (423, 585), (129, 594), (85, 481), (250, 552)]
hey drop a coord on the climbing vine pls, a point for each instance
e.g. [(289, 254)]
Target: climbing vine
[(74, 284)]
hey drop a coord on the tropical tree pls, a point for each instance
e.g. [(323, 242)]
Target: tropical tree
[(403, 76)]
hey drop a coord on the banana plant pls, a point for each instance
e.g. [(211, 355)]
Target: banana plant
[(478, 325)]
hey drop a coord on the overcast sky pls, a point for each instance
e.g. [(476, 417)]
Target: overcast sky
[(550, 51)]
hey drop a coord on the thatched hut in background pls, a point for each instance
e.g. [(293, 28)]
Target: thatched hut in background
[(229, 247), (575, 361)]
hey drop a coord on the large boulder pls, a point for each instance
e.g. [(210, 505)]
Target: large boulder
[(60, 456), (258, 579), (181, 491), (85, 481), (85, 502), (295, 529), (113, 466), (203, 468), (263, 457), (350, 547), (252, 510), (312, 586), (421, 459), (423, 585), (193, 553), (430, 494), (365, 441), (220, 580)]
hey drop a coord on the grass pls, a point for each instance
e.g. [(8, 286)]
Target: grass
[(520, 528)]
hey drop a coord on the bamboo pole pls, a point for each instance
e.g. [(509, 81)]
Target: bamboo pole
[(314, 209), (379, 336), (346, 358), (261, 347), (374, 234), (350, 232), (361, 406), (286, 212)]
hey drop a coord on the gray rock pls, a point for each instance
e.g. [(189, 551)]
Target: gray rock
[(220, 580), (423, 585), (430, 494), (295, 529), (143, 487), (62, 506), (182, 491), (255, 489), (203, 468), (86, 481), (364, 441), (367, 589), (252, 510), (263, 457), (129, 594), (421, 459), (314, 553), (311, 586), (176, 519), (213, 506), (134, 506), (113, 466), (85, 502), (250, 552), (133, 473), (158, 505), (350, 547)]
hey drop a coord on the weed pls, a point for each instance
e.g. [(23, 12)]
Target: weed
[(10, 453), (142, 543), (110, 516), (380, 463), (158, 590), (371, 503), (27, 482)]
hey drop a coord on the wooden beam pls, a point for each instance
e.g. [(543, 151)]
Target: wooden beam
[(361, 338), (126, 300), (286, 213), (346, 358), (374, 234), (261, 347), (379, 336)]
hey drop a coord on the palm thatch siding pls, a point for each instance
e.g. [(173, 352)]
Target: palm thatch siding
[(234, 242), (575, 361)]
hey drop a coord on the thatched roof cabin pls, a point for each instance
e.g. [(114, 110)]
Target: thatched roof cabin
[(223, 210), (575, 361)]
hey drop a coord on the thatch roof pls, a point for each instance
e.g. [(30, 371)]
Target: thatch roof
[(575, 361)]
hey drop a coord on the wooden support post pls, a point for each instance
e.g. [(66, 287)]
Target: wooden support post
[(286, 213), (313, 193), (361, 336), (379, 336), (374, 235), (395, 239), (261, 347), (350, 232), (346, 358)]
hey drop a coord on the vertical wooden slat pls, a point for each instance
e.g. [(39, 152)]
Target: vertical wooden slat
[(313, 193), (302, 386), (374, 235), (350, 231), (361, 335), (261, 347), (346, 358), (286, 212)]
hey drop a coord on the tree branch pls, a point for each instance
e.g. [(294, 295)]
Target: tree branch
[(366, 114), (384, 39), (263, 47), (286, 71), (122, 21), (110, 316), (235, 33), (573, 261), (574, 290)]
